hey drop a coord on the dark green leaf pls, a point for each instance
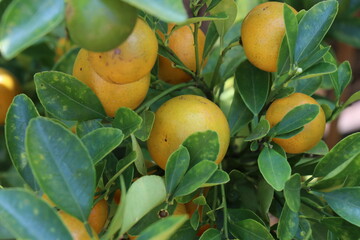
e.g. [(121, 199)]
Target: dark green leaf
[(274, 168), (314, 58), (195, 177), (67, 98), (265, 193), (61, 166), (21, 111), (195, 219), (344, 76), (86, 127), (292, 192), (250, 230), (232, 59), (253, 86), (148, 118), (127, 121), (260, 131), (318, 69), (163, 229), (304, 231), (339, 156), (166, 10), (291, 29), (341, 228), (239, 214), (230, 9), (211, 37), (313, 27), (28, 217), (346, 203), (219, 177), (307, 86), (296, 118), (25, 22), (213, 4), (144, 194), (202, 146), (347, 30), (288, 224), (176, 167), (168, 53), (211, 234), (66, 62), (290, 134), (101, 142), (139, 160), (283, 64)]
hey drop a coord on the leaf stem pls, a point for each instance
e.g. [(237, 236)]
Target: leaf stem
[(223, 196)]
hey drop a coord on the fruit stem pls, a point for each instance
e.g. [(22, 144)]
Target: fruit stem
[(196, 32), (223, 195), (147, 104)]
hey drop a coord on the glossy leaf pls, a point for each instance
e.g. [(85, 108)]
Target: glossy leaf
[(144, 194), (318, 69), (316, 57), (61, 166), (230, 9), (260, 131), (101, 142), (313, 27), (21, 111), (274, 167), (288, 224), (166, 10), (307, 86), (148, 118), (211, 234), (339, 156), (25, 22), (176, 168), (219, 177), (127, 121), (296, 118), (346, 203), (195, 177), (253, 86), (250, 230), (291, 29), (18, 207), (344, 77), (85, 127), (163, 229), (202, 146), (67, 98), (292, 192)]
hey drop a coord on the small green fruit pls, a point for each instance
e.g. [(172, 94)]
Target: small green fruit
[(99, 25)]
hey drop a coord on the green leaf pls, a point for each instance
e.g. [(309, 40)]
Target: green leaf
[(148, 118), (166, 10), (291, 29), (139, 160), (211, 37), (21, 111), (101, 142), (320, 149), (215, 17), (127, 121), (144, 194), (219, 177), (313, 27), (292, 192), (4, 233), (239, 214), (288, 224), (316, 57), (347, 30), (163, 229), (211, 234), (232, 59), (283, 62), (318, 69), (290, 134), (341, 155), (346, 203), (67, 98), (195, 219), (260, 131), (296, 118), (353, 98), (28, 217), (66, 63), (195, 177), (85, 127), (341, 228), (307, 86), (61, 166), (239, 115), (176, 167), (253, 86), (344, 77), (25, 22), (265, 194), (304, 231), (230, 9), (249, 229), (274, 167), (168, 53), (202, 146)]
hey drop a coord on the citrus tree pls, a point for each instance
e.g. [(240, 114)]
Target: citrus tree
[(137, 121)]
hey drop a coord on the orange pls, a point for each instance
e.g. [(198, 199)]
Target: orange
[(312, 132), (262, 32), (117, 196), (130, 61), (112, 96), (76, 227), (180, 117), (9, 88), (98, 215), (181, 42)]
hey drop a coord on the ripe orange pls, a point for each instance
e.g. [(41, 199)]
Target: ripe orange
[(130, 61), (180, 117), (181, 42), (262, 32), (312, 132), (98, 215), (112, 95), (9, 88), (76, 227), (117, 196)]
